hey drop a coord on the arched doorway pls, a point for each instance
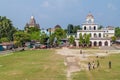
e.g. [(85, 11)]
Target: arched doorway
[(106, 43), (100, 43), (90, 44), (95, 43)]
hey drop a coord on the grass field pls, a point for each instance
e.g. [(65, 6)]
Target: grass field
[(103, 72), (46, 65), (32, 65)]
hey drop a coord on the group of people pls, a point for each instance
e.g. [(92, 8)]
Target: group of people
[(93, 65)]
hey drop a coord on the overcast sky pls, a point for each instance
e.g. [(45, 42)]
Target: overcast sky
[(49, 13)]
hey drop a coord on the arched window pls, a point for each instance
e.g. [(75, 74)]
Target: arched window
[(85, 28), (99, 34), (95, 35), (94, 27)]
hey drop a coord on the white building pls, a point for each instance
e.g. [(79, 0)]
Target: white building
[(97, 37)]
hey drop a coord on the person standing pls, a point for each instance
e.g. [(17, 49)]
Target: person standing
[(89, 66), (98, 64), (93, 65), (109, 64), (80, 51)]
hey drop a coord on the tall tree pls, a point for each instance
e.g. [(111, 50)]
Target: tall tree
[(117, 32), (4, 39), (84, 40), (6, 28), (35, 36), (113, 38), (70, 28), (43, 38), (21, 37), (81, 40), (87, 40), (60, 33), (32, 29), (34, 33), (76, 28), (71, 40), (51, 39)]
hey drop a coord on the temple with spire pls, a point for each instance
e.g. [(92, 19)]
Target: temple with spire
[(32, 23)]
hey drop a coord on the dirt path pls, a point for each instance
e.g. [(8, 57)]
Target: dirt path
[(76, 62), (72, 61), (72, 66)]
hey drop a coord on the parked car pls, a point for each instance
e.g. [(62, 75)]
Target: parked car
[(43, 46), (36, 46)]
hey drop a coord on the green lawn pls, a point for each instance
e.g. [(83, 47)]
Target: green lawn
[(46, 65), (32, 65), (103, 72)]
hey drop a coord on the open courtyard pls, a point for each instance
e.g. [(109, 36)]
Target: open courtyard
[(60, 64)]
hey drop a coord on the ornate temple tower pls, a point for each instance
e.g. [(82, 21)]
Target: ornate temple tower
[(32, 23)]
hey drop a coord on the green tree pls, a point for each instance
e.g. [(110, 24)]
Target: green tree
[(34, 33), (81, 40), (35, 36), (60, 34), (117, 32), (51, 39), (70, 28), (6, 28), (71, 40), (76, 28), (32, 29), (4, 39), (87, 40), (43, 38), (113, 38), (21, 37), (84, 40)]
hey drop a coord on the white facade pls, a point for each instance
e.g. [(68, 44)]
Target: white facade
[(97, 37), (109, 31)]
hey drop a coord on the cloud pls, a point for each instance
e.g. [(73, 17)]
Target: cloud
[(111, 6)]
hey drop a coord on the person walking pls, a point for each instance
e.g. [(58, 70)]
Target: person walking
[(109, 64)]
